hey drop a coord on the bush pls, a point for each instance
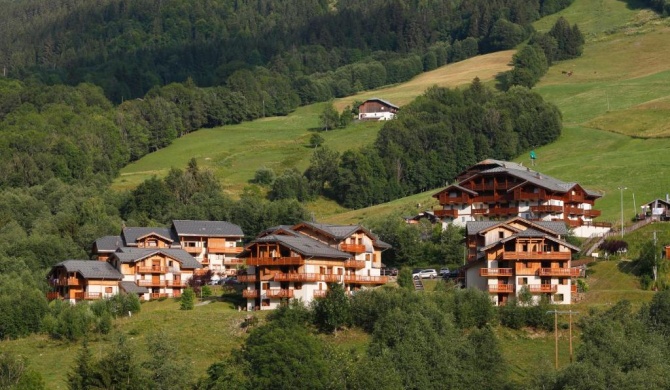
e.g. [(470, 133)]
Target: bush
[(187, 301), (205, 292)]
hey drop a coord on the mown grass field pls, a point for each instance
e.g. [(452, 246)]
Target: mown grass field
[(234, 153)]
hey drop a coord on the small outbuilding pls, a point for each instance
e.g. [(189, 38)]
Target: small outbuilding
[(377, 110)]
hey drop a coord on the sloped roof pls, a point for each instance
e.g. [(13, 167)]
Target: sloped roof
[(454, 186), (91, 269), (133, 288), (338, 232), (132, 255), (557, 227), (656, 201), (132, 234), (537, 178), (304, 245), (108, 243), (385, 102), (207, 228)]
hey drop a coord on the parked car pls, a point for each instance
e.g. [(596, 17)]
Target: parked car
[(390, 271), (425, 274), (444, 272)]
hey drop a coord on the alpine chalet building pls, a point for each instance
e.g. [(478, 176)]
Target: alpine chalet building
[(508, 257), (498, 190)]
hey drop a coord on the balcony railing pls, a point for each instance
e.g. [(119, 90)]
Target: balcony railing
[(151, 283), (479, 211), (501, 288), (275, 261), (225, 249), (569, 272), (331, 278), (233, 261), (246, 278), (51, 295), (363, 279), (441, 213), (250, 293), (546, 209), (542, 288), (193, 249), (496, 272), (65, 282), (277, 293), (592, 213), (175, 283), (152, 270), (358, 264), (503, 211), (160, 295), (573, 210), (536, 255), (444, 198), (87, 295), (296, 277), (354, 248), (320, 293), (526, 271)]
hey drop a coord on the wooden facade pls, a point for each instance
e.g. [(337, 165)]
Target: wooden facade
[(507, 257), (300, 263), (498, 190), (377, 109)]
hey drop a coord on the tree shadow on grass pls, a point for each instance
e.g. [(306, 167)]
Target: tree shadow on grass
[(629, 267), (635, 4)]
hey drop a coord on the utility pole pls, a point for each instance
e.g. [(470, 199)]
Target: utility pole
[(556, 313), (621, 190), (655, 258)]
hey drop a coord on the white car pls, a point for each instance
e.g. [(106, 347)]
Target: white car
[(425, 274)]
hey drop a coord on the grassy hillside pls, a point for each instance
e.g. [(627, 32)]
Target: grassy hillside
[(234, 153)]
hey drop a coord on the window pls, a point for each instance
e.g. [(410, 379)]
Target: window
[(297, 286), (108, 290), (501, 234), (523, 281), (367, 257), (558, 298), (152, 243)]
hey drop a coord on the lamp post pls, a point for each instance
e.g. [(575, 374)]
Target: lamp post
[(621, 191)]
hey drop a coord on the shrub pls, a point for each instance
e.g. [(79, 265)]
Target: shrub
[(187, 301)]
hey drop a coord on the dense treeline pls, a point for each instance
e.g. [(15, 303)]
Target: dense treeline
[(129, 47), (433, 139), (660, 6)]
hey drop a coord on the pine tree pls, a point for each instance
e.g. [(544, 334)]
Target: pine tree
[(187, 301), (82, 377)]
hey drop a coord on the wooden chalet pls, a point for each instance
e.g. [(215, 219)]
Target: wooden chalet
[(377, 110), (300, 261), (215, 244), (498, 190), (657, 210), (77, 280), (506, 257)]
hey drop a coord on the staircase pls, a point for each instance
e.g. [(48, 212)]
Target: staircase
[(593, 242), (418, 284)]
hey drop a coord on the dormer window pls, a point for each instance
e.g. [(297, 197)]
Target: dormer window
[(152, 243)]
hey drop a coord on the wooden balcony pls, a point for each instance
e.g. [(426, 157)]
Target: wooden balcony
[(296, 277), (358, 264), (51, 295), (152, 270), (225, 249), (444, 198), (255, 261), (576, 198), (362, 279), (573, 289), (72, 281), (250, 293), (193, 249), (573, 222), (522, 271), (320, 293), (234, 261), (546, 209), (542, 288), (353, 248), (503, 211), (536, 255), (479, 211), (277, 293), (530, 195), (176, 283), (151, 283), (87, 296), (571, 210), (567, 272), (331, 278), (501, 288), (487, 198), (592, 213), (246, 278), (496, 272), (441, 213)]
